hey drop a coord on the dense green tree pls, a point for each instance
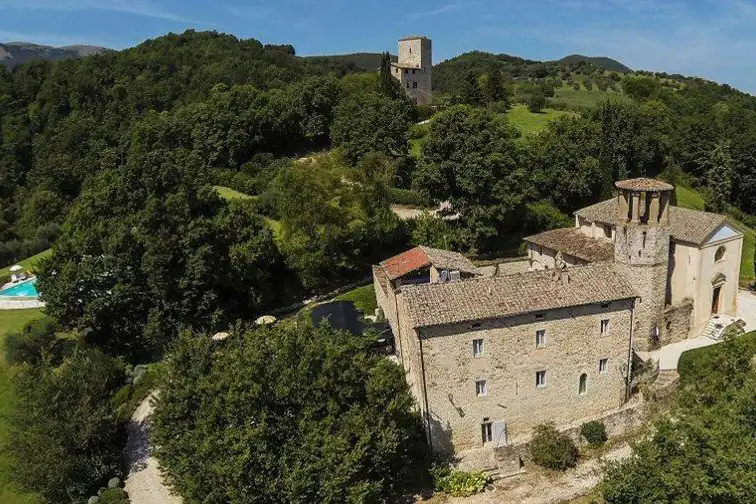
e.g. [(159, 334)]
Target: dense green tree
[(719, 177), (371, 122), (285, 415), (433, 231), (706, 452), (536, 102), (148, 248), (494, 88), (65, 440), (471, 94), (470, 159), (641, 88), (389, 86), (335, 219), (36, 342)]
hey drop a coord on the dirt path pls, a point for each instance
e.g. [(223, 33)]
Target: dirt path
[(542, 487), (144, 483)]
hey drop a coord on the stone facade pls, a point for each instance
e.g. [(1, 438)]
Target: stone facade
[(414, 67), (574, 346), (489, 357)]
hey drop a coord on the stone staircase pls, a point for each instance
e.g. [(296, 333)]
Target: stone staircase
[(667, 381), (716, 326)]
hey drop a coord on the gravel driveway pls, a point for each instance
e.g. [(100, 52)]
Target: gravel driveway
[(144, 483)]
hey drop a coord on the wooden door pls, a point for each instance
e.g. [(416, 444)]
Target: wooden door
[(715, 300)]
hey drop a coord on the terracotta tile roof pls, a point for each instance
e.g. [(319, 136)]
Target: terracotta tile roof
[(573, 242), (423, 257), (644, 184), (685, 225), (406, 262), (505, 296), (445, 259)]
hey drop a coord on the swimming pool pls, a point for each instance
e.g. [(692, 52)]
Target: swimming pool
[(28, 288)]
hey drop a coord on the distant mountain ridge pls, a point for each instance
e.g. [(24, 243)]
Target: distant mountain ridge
[(15, 53), (602, 62)]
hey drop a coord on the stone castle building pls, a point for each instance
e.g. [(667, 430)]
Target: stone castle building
[(490, 357), (413, 68)]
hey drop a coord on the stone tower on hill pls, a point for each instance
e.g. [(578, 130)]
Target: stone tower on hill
[(641, 247), (413, 69)]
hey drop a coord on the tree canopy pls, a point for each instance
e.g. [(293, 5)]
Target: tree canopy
[(285, 415)]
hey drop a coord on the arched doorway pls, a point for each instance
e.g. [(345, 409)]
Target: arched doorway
[(717, 283)]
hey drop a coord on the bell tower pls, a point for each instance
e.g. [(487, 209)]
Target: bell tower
[(641, 249)]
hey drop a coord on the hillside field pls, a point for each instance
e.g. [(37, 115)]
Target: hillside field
[(10, 321)]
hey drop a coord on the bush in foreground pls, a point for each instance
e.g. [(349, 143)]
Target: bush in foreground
[(285, 415), (65, 440), (552, 449), (594, 432), (460, 483)]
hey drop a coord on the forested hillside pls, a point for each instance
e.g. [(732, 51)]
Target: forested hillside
[(15, 53), (116, 161)]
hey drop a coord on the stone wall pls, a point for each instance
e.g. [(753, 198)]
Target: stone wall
[(574, 346), (642, 252), (676, 322)]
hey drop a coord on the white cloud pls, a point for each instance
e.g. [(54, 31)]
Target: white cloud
[(144, 8), (441, 10)]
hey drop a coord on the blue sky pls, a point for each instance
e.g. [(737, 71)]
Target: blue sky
[(715, 39)]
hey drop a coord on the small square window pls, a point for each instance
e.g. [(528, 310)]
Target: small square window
[(604, 327), (540, 379), (603, 366), (539, 316), (406, 71), (414, 84), (478, 348), (541, 338), (605, 306), (413, 71), (481, 388)]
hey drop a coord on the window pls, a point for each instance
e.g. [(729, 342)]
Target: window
[(476, 325), (541, 338), (604, 327), (478, 348), (406, 71), (481, 388), (603, 366), (414, 84), (583, 387), (605, 306), (719, 254), (539, 316), (540, 379), (407, 84), (413, 71), (486, 433)]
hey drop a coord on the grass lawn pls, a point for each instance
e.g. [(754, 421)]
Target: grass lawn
[(690, 198), (363, 299), (28, 264), (228, 194), (10, 321), (700, 361), (528, 122), (416, 147), (584, 98)]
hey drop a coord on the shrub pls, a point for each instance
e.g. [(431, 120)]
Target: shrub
[(400, 196), (551, 449), (536, 102), (460, 483), (114, 496), (594, 432), (35, 341)]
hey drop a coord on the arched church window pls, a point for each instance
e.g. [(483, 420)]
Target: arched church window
[(719, 254), (583, 384)]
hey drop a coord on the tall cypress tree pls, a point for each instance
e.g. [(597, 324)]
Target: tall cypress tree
[(386, 82), (719, 176), (494, 85), (471, 93)]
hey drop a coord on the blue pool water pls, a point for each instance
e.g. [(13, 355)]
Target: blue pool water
[(24, 289)]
